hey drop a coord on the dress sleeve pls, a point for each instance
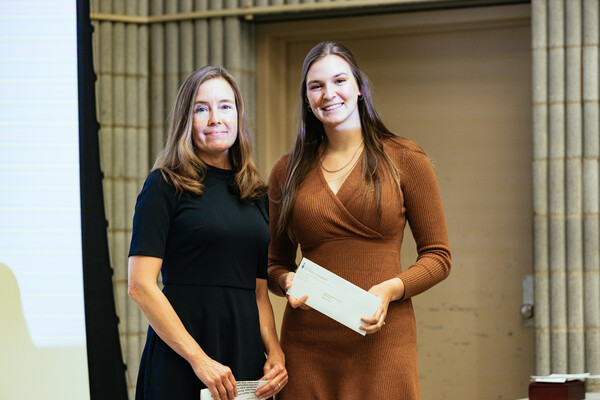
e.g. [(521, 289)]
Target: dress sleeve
[(154, 209), (425, 217), (282, 250), (261, 267)]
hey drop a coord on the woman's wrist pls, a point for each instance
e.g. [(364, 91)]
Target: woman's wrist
[(277, 353), (196, 356), (391, 290), (275, 350), (398, 289), (281, 281)]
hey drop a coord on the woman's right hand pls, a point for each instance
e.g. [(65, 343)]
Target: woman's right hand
[(285, 281), (217, 377)]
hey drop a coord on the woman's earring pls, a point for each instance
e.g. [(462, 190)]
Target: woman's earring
[(309, 108), (360, 97)]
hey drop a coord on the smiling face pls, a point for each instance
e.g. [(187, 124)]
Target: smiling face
[(215, 122), (332, 93)]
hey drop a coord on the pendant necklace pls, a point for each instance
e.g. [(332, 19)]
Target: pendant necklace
[(344, 166)]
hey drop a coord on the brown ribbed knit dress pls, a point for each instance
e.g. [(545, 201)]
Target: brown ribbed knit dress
[(326, 360)]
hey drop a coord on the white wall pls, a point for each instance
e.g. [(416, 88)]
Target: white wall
[(42, 335)]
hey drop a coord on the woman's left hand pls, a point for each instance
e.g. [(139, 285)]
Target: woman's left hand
[(275, 372), (387, 291)]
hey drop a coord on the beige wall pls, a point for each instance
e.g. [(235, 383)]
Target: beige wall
[(458, 83)]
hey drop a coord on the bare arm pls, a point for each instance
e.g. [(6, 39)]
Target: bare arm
[(142, 288), (274, 368)]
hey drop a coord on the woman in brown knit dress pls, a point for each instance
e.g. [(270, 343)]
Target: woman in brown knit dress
[(344, 194)]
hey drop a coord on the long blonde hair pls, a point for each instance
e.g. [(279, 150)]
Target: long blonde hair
[(311, 136), (178, 161)]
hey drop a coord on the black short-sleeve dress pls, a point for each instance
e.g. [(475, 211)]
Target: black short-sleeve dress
[(213, 248)]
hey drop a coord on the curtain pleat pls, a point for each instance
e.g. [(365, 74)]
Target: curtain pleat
[(566, 186)]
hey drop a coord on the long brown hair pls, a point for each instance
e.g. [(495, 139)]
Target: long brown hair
[(311, 136), (179, 162)]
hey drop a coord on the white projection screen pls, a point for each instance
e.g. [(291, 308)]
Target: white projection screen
[(42, 321)]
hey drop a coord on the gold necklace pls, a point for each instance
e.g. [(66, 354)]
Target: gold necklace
[(348, 163)]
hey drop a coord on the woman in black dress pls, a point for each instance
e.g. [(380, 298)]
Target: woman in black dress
[(201, 220)]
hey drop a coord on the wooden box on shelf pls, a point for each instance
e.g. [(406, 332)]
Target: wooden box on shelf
[(570, 390)]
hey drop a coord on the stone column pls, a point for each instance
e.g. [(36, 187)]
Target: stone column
[(565, 39), (591, 186)]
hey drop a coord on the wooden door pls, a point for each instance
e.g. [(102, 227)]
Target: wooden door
[(457, 82)]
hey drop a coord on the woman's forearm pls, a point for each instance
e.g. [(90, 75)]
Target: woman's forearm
[(143, 290), (267, 320)]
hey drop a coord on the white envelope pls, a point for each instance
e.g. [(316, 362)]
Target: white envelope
[(333, 296)]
